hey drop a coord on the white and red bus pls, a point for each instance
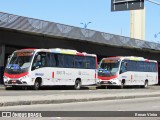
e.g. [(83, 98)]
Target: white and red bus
[(50, 67), (127, 71)]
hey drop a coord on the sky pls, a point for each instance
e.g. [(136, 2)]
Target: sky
[(74, 12)]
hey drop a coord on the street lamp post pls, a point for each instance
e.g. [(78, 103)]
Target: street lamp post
[(85, 24), (156, 35)]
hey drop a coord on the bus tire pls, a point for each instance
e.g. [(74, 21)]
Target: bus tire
[(36, 85), (145, 84), (122, 84), (77, 85)]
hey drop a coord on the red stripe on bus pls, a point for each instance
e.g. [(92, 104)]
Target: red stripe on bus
[(107, 78), (146, 60), (156, 77), (15, 75), (96, 63), (80, 54), (52, 74), (95, 75)]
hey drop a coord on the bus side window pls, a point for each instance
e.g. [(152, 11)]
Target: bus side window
[(90, 63), (123, 67), (68, 61), (36, 62), (48, 61), (60, 60), (39, 60), (43, 62), (79, 62), (53, 60)]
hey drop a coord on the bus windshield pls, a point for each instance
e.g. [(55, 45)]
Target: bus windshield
[(19, 62), (108, 67)]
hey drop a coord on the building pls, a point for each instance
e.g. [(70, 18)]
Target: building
[(17, 32)]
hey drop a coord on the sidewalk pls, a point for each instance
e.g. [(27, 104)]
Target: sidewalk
[(67, 98)]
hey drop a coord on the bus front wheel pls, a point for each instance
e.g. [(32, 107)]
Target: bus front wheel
[(145, 84), (122, 84), (36, 85), (77, 85)]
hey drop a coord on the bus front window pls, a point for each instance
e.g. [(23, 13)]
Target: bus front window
[(108, 68), (19, 62)]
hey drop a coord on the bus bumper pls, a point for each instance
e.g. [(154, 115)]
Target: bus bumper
[(108, 82), (17, 81)]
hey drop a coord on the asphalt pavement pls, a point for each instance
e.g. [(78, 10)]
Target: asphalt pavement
[(126, 109), (31, 97)]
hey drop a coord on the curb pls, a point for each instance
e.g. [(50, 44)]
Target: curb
[(34, 102)]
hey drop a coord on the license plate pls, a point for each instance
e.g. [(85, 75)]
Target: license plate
[(14, 81), (105, 82)]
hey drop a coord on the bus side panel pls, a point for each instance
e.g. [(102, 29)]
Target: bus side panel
[(64, 76), (138, 78)]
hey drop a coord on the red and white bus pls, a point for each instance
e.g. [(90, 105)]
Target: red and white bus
[(127, 71), (50, 67)]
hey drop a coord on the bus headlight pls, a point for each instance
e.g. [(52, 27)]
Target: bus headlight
[(5, 78), (115, 79), (99, 80), (24, 77)]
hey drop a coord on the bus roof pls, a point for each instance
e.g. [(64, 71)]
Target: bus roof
[(134, 58), (59, 50)]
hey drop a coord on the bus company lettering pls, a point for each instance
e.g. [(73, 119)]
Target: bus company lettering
[(124, 76), (39, 74), (83, 73), (68, 73), (60, 72)]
